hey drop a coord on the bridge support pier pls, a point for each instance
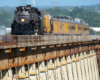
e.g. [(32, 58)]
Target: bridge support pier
[(51, 68), (42, 71), (58, 69), (64, 73), (32, 71), (6, 74), (95, 65), (79, 67), (74, 67), (20, 72), (69, 68), (83, 66)]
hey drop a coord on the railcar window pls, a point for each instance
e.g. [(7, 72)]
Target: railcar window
[(66, 18), (72, 27), (78, 28), (86, 29), (70, 18)]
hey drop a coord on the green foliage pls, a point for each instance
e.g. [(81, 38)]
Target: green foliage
[(92, 18), (9, 33), (6, 18), (91, 31)]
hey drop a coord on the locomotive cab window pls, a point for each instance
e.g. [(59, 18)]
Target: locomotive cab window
[(72, 27)]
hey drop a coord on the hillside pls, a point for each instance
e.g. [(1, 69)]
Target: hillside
[(92, 18)]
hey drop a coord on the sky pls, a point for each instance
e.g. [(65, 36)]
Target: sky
[(14, 3)]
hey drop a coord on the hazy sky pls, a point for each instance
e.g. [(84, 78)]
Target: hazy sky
[(47, 2)]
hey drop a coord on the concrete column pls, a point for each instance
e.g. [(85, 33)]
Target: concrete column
[(82, 66), (74, 67), (95, 66), (54, 65), (58, 69), (79, 67), (50, 70), (89, 65), (69, 67), (46, 69), (7, 74), (32, 72), (0, 75), (86, 66), (64, 68), (20, 72), (14, 73), (42, 71), (92, 66), (27, 77)]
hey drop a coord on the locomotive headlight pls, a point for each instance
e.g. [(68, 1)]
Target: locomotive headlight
[(22, 20)]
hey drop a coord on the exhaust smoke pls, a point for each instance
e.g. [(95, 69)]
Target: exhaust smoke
[(3, 31), (33, 2), (27, 2)]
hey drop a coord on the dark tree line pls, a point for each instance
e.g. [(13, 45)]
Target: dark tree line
[(6, 18), (92, 18)]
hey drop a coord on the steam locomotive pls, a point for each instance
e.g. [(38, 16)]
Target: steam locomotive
[(31, 21)]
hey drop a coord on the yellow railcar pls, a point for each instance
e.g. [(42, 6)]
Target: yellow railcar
[(55, 26), (47, 24), (65, 25), (76, 28)]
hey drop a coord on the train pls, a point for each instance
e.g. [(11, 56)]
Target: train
[(31, 21)]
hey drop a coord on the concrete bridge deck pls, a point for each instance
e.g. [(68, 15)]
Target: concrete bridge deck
[(55, 57), (26, 40)]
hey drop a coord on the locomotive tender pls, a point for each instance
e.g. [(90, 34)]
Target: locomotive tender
[(30, 21)]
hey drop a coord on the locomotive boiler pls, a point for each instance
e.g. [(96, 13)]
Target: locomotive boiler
[(31, 21)]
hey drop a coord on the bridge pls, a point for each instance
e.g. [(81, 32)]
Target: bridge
[(49, 57)]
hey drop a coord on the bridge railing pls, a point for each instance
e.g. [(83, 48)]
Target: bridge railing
[(8, 40), (32, 40)]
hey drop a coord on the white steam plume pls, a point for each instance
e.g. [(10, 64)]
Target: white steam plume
[(33, 2), (27, 2)]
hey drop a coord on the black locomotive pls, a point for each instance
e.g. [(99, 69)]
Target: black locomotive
[(27, 21)]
